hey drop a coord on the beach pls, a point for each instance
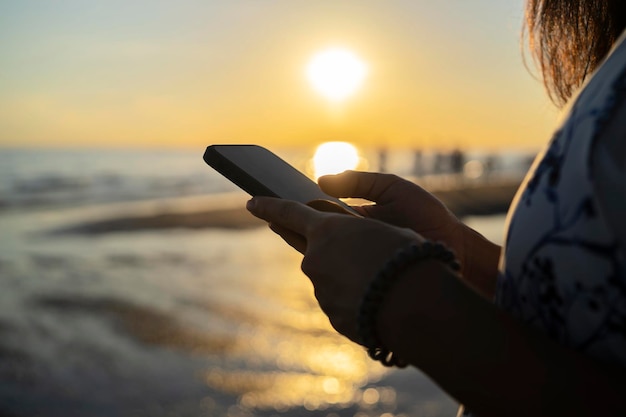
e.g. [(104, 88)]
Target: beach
[(122, 297)]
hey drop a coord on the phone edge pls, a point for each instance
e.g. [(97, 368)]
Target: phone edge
[(235, 174)]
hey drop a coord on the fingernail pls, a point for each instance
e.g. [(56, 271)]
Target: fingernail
[(251, 204)]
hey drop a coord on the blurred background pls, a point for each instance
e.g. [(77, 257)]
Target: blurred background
[(134, 282)]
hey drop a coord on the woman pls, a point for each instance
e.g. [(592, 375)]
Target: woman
[(554, 341)]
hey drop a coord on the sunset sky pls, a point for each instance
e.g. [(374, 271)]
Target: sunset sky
[(190, 73)]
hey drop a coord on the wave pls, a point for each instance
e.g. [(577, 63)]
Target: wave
[(34, 180)]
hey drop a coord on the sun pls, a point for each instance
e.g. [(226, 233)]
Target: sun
[(336, 73), (335, 157)]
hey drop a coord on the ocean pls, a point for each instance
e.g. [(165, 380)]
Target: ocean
[(173, 311)]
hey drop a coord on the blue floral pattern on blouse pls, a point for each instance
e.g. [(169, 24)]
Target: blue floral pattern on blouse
[(562, 269)]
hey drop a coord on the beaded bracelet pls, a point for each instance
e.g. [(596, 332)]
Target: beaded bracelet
[(380, 286)]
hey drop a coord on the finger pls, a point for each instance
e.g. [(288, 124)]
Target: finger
[(293, 239), (380, 188), (287, 214)]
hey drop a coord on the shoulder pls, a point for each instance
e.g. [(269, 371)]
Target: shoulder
[(608, 170), (608, 153)]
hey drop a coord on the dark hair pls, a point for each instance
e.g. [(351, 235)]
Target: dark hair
[(570, 38)]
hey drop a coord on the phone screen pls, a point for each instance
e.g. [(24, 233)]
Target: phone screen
[(260, 172)]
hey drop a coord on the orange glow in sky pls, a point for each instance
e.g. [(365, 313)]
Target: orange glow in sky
[(186, 74)]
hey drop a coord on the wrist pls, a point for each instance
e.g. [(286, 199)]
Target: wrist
[(383, 284), (480, 262), (408, 307)]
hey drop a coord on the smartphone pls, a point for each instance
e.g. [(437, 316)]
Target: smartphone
[(260, 172)]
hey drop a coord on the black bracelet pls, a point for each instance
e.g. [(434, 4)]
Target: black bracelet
[(380, 286)]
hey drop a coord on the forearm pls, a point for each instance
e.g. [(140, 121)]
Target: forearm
[(480, 263), (485, 358)]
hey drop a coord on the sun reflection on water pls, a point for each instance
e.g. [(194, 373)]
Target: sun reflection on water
[(291, 356), (282, 390), (336, 157), (314, 372)]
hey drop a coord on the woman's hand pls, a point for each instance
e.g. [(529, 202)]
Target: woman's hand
[(405, 204), (398, 202), (341, 253)]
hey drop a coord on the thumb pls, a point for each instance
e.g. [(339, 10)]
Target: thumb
[(369, 185)]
